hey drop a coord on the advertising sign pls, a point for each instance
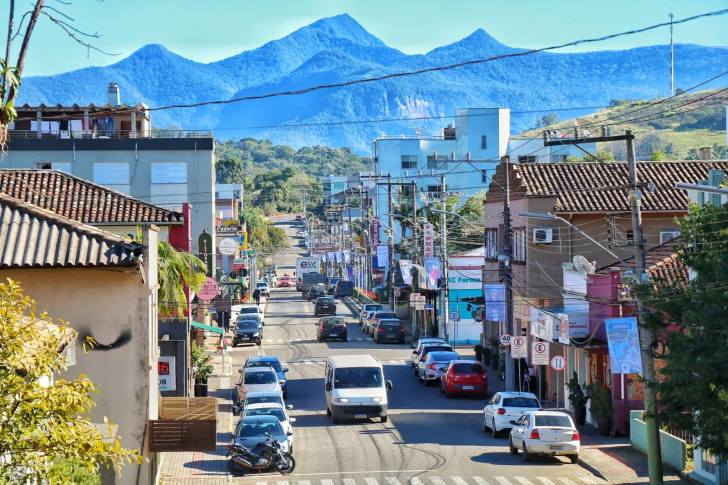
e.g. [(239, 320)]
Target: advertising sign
[(540, 353), (432, 272), (518, 348), (495, 302), (243, 241), (339, 256), (207, 252), (579, 326), (331, 256), (375, 231), (227, 246), (429, 237), (209, 290), (542, 324), (231, 230), (167, 374), (623, 342), (347, 256), (383, 256), (238, 264), (405, 266), (563, 319)]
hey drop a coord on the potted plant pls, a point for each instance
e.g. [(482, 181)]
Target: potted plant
[(494, 352), (577, 399), (479, 353), (486, 355), (201, 368), (600, 406)]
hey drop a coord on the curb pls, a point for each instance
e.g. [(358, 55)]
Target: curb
[(593, 470)]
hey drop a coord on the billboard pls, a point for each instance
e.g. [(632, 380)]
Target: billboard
[(624, 345), (542, 324), (405, 266), (432, 272), (495, 302), (383, 256)]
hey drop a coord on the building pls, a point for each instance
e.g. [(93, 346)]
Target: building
[(230, 191), (336, 189)]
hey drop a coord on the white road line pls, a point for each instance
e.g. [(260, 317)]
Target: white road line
[(415, 481), (282, 483), (269, 340), (567, 481), (371, 481), (437, 481), (502, 480), (304, 482), (279, 340), (307, 362), (481, 481), (261, 483), (327, 482), (524, 480), (347, 481), (458, 480), (589, 480), (545, 481), (392, 481)]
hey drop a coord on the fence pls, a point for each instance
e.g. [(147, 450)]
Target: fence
[(673, 449)]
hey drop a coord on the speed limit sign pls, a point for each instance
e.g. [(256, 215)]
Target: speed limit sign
[(505, 340)]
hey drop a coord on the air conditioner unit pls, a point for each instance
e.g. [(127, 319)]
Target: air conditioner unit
[(667, 235), (543, 235)]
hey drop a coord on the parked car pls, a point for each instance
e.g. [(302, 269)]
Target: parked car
[(343, 288), (285, 282), (375, 317), (247, 331), (368, 307), (275, 364), (463, 377), (257, 317), (331, 328), (247, 309), (264, 288), (506, 407), (316, 291), (299, 218), (258, 379), (426, 349), (421, 343), (256, 429), (545, 433), (278, 412), (299, 283), (325, 305), (261, 397), (331, 284), (431, 367), (389, 330)]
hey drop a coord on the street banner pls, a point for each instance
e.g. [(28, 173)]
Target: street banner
[(429, 237), (563, 319), (623, 342), (347, 256), (383, 256), (375, 232), (243, 241), (339, 257), (432, 272), (331, 257), (542, 324), (405, 265), (350, 272), (495, 302)]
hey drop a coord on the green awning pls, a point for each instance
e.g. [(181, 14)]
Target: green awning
[(208, 328)]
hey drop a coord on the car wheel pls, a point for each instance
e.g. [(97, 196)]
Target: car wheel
[(346, 339), (513, 449), (526, 454), (448, 394), (285, 394), (442, 388), (335, 419), (416, 371), (493, 430), (574, 458), (426, 382), (384, 419), (235, 343), (328, 411)]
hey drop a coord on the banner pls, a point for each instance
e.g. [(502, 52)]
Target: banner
[(563, 319), (339, 257), (432, 272), (207, 252), (375, 232), (429, 238), (383, 256), (243, 241), (350, 272), (624, 345), (331, 257), (405, 266), (542, 324), (347, 256), (495, 302)]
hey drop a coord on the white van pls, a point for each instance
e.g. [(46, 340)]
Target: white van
[(355, 388)]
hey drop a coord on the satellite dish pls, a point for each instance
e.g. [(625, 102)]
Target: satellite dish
[(582, 265)]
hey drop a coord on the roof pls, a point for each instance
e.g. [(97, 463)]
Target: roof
[(78, 199), (208, 328), (599, 187), (31, 237), (91, 108), (661, 263), (355, 361)]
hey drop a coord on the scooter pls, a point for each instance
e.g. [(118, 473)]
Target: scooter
[(263, 455)]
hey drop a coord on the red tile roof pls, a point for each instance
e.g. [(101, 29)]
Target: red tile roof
[(661, 262), (81, 200), (599, 187)]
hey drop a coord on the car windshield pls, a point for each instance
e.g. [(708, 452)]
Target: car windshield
[(520, 402), (358, 377), (249, 316), (261, 285), (260, 378), (273, 364), (246, 325), (317, 288), (248, 310), (552, 420), (443, 356), (325, 300), (390, 326), (380, 316), (276, 412), (467, 369), (427, 350), (371, 308), (260, 429), (263, 400)]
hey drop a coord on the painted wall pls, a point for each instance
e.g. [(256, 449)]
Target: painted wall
[(464, 279)]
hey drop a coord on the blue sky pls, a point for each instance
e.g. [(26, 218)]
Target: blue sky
[(214, 29)]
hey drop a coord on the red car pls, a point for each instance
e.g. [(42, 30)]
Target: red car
[(464, 377), (285, 281)]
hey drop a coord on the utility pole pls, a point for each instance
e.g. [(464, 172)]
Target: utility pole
[(672, 61), (654, 459), (416, 251), (443, 241), (390, 241), (507, 271)]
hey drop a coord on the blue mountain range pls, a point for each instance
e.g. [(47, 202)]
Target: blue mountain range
[(338, 49)]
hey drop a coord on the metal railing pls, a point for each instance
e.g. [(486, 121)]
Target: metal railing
[(105, 134)]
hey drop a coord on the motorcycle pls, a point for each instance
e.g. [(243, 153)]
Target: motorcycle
[(263, 455)]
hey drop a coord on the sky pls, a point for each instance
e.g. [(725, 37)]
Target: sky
[(210, 30)]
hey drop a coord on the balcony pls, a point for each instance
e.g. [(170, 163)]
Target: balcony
[(113, 134)]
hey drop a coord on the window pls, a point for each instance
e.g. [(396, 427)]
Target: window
[(407, 190), (491, 248), (483, 142), (707, 461), (434, 189), (519, 244), (61, 166), (236, 194), (409, 161), (111, 173), (436, 164), (526, 158), (169, 172), (630, 238), (484, 176), (217, 195), (558, 158)]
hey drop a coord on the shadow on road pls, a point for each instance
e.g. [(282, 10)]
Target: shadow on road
[(506, 459)]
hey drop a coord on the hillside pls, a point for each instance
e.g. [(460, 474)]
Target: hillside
[(338, 49), (677, 127)]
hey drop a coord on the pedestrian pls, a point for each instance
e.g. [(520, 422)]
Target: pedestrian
[(226, 321), (256, 296)]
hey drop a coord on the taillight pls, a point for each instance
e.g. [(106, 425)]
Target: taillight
[(534, 435), (501, 411), (229, 447), (402, 329), (433, 366), (344, 326), (575, 437), (379, 329), (321, 327)]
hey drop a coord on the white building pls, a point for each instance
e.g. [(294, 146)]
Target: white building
[(230, 191)]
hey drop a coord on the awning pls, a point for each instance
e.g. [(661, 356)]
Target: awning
[(208, 328)]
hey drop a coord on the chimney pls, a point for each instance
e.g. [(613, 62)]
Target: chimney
[(705, 153), (114, 97)]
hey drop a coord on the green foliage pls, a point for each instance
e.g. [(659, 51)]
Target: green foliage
[(546, 120), (577, 396), (44, 427), (691, 323), (600, 400), (202, 369), (263, 237), (658, 156), (679, 91)]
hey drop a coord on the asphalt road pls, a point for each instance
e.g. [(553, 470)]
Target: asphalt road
[(428, 440)]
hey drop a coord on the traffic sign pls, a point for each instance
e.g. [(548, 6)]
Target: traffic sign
[(518, 348), (397, 292), (454, 316), (540, 353), (505, 339), (558, 362)]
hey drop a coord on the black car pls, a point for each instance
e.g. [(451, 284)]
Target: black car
[(343, 288), (389, 331), (332, 284), (331, 328), (324, 305), (315, 291), (247, 332)]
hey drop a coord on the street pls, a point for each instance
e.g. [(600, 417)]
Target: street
[(428, 439)]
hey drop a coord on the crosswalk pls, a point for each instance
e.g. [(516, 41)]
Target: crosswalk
[(323, 362), (447, 480), (313, 340)]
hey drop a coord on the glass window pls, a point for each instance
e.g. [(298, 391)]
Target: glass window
[(558, 158), (409, 161), (551, 420), (61, 166), (248, 310), (275, 412), (111, 173), (273, 364), (491, 237), (259, 429), (260, 378), (484, 176), (169, 172), (707, 461), (468, 369), (441, 162), (526, 158), (247, 325), (519, 244), (263, 400), (358, 377), (520, 402), (443, 356), (483, 142)]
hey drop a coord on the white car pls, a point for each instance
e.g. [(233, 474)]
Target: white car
[(273, 410), (264, 288), (369, 307), (545, 433), (237, 310), (506, 407), (257, 379)]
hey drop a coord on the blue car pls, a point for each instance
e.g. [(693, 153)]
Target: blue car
[(274, 364)]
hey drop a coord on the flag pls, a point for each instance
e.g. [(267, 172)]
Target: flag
[(406, 267)]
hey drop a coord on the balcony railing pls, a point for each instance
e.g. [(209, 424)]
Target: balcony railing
[(116, 134)]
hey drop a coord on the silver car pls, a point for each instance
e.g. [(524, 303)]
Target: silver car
[(420, 343), (431, 368)]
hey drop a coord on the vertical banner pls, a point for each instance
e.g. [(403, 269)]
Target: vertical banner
[(339, 257), (383, 256), (563, 328), (350, 272), (243, 241), (405, 266), (432, 272), (429, 237), (542, 324), (331, 257), (623, 342), (347, 256), (495, 302), (375, 232), (206, 251)]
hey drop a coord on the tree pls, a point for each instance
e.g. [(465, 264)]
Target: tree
[(679, 91), (690, 322), (658, 156), (43, 426)]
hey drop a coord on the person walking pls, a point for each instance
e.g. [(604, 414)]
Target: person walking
[(256, 296)]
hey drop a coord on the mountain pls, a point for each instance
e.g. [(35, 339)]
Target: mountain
[(338, 49)]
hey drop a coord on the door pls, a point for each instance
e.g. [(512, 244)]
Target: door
[(490, 407)]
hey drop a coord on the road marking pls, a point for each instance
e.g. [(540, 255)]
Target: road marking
[(589, 480), (415, 481), (307, 362), (480, 481), (392, 481), (524, 480), (347, 481), (567, 481), (283, 483), (502, 480), (327, 482), (261, 483), (545, 481), (269, 341), (437, 481), (371, 481), (458, 480), (304, 482), (279, 340)]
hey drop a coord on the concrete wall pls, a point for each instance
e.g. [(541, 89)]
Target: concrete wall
[(674, 450), (119, 309)]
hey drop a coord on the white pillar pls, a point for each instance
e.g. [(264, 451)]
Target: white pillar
[(39, 133), (132, 133)]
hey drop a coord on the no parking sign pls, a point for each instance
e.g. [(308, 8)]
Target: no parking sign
[(518, 348), (540, 353)]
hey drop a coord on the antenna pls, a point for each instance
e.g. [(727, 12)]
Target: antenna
[(582, 265)]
